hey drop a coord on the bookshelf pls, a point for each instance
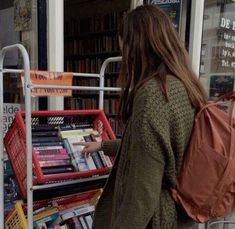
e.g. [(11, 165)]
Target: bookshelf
[(90, 36)]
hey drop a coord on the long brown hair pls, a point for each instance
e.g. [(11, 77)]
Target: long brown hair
[(151, 48)]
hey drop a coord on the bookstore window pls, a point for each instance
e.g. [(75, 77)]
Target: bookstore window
[(217, 65), (90, 37)]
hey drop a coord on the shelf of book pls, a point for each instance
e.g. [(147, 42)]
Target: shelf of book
[(92, 35), (71, 210), (56, 158), (89, 39)]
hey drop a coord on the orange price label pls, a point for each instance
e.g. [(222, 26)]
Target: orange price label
[(50, 78)]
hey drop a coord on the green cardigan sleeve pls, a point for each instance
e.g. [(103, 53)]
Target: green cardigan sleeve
[(144, 179), (111, 147)]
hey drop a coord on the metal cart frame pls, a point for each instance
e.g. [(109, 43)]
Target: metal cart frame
[(28, 109)]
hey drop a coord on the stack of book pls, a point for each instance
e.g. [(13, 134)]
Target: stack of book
[(95, 160), (58, 151), (72, 213), (49, 150)]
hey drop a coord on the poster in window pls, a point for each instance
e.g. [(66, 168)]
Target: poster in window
[(171, 7), (220, 84), (22, 15)]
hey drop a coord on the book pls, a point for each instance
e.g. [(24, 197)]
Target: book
[(45, 213), (83, 223), (78, 212), (104, 158), (53, 157), (88, 220), (74, 126), (77, 223), (44, 133), (54, 170), (75, 208), (45, 139), (55, 163), (43, 127), (48, 147), (69, 150), (52, 152), (97, 160), (76, 151), (54, 143), (72, 133), (93, 160)]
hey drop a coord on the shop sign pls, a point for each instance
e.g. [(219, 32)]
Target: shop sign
[(171, 7), (9, 110)]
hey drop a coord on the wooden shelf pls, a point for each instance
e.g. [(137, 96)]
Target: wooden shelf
[(92, 35), (93, 55)]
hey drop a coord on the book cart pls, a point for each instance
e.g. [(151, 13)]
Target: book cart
[(30, 179)]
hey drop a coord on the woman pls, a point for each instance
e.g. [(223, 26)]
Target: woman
[(160, 95)]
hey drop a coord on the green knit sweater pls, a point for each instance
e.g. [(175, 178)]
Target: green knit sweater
[(136, 195)]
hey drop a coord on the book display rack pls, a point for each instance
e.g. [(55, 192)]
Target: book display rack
[(25, 142)]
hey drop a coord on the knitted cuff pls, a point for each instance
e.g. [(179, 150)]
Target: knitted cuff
[(109, 147)]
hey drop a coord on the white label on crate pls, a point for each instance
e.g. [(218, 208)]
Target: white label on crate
[(9, 110)]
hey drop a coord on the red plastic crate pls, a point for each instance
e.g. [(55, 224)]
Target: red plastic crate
[(15, 139)]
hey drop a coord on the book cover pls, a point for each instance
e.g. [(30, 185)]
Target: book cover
[(76, 150), (72, 133), (78, 212), (69, 150)]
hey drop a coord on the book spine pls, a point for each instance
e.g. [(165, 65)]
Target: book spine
[(97, 160), (90, 163), (103, 159), (77, 223), (53, 157), (67, 146), (51, 152), (42, 144), (55, 163), (83, 223), (48, 147), (76, 151), (45, 139), (55, 170), (78, 212), (89, 221), (108, 161)]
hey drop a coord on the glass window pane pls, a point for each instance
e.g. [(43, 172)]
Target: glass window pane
[(217, 66)]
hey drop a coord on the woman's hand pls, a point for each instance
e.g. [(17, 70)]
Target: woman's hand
[(89, 147)]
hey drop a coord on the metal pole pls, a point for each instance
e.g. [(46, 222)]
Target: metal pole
[(28, 131), (28, 135), (102, 71), (2, 54)]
